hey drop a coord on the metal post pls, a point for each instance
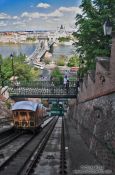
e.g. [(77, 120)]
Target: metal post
[(11, 56), (1, 73)]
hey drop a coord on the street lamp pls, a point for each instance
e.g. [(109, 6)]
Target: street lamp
[(107, 27), (1, 73), (12, 56)]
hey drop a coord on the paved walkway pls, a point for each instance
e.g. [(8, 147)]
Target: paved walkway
[(81, 161)]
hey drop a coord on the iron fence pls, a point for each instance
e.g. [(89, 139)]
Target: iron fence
[(42, 89)]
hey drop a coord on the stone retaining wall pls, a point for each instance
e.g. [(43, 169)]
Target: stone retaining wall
[(95, 120), (94, 113)]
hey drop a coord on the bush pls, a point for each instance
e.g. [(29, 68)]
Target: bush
[(73, 61), (61, 61), (23, 71), (47, 60), (57, 76), (8, 104), (64, 39)]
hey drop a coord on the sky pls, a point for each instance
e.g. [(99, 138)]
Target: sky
[(16, 15)]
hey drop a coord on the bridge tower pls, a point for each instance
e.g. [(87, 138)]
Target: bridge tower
[(46, 44)]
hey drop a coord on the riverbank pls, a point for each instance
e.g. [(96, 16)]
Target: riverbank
[(66, 43), (28, 48), (18, 43)]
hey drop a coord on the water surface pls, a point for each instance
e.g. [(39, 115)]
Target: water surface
[(27, 49)]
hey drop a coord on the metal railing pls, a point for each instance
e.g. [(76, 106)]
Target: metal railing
[(43, 89)]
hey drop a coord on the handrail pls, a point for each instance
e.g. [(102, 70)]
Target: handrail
[(46, 89)]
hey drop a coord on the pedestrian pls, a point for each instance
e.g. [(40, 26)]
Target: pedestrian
[(67, 86), (52, 87), (65, 80), (51, 78)]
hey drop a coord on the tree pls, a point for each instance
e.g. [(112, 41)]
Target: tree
[(21, 70), (61, 61), (64, 39), (73, 61), (91, 40), (57, 76)]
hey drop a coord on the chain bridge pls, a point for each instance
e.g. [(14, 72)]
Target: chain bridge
[(44, 44), (42, 89)]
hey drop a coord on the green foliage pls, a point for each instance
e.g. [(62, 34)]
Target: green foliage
[(8, 104), (61, 61), (31, 39), (73, 61), (91, 40), (73, 78), (0, 57), (57, 75), (64, 39), (21, 70)]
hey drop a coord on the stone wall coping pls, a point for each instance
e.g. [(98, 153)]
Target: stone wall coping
[(102, 59), (102, 81), (104, 93)]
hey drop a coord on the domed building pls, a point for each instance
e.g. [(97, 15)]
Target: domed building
[(61, 32)]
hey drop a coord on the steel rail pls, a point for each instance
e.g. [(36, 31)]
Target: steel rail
[(10, 138), (17, 161), (38, 152)]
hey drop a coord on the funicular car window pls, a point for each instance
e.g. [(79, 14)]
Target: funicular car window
[(31, 115), (15, 114), (23, 113)]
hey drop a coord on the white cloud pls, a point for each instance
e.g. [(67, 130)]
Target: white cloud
[(30, 15), (38, 21), (4, 16), (70, 9), (56, 19), (62, 15), (54, 14), (43, 5), (33, 15), (18, 23), (15, 17), (2, 24)]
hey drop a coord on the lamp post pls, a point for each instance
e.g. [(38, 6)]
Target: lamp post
[(107, 27), (12, 56), (2, 83)]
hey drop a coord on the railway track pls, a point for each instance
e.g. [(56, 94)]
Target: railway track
[(16, 161), (6, 133), (9, 135), (47, 148), (49, 158), (10, 150), (6, 140)]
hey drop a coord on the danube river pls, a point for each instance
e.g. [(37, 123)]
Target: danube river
[(27, 49)]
